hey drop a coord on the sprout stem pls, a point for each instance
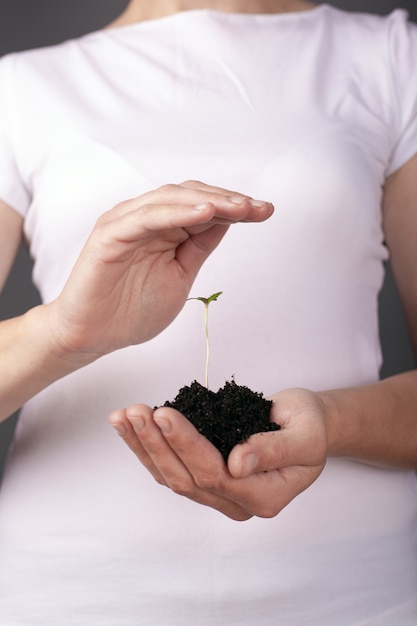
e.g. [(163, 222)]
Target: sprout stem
[(206, 302), (206, 306)]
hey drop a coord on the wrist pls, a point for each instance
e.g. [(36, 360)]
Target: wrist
[(339, 433), (50, 347), (31, 358)]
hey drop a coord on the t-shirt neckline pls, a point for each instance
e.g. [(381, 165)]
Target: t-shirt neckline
[(220, 15)]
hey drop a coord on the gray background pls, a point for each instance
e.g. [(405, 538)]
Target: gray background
[(32, 23)]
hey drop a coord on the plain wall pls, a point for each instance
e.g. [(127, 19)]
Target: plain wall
[(32, 23)]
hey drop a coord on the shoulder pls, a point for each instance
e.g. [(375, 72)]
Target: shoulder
[(369, 31), (363, 22), (48, 60), (47, 75), (378, 54)]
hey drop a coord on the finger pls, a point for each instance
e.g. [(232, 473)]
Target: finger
[(255, 495), (200, 210), (192, 253), (287, 447), (163, 463), (191, 194), (201, 186), (143, 221), (264, 494), (125, 427), (263, 209)]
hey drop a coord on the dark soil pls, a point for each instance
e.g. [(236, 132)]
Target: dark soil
[(227, 417)]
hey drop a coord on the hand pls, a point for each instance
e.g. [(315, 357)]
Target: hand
[(136, 269), (262, 475)]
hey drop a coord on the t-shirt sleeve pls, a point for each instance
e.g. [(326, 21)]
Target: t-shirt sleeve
[(12, 187), (402, 54)]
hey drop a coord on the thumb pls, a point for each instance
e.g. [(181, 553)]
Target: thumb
[(264, 452), (261, 453), (192, 253)]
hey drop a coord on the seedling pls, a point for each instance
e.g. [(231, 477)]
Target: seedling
[(206, 302), (229, 416)]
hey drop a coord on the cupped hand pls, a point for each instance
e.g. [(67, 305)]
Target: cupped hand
[(136, 268), (262, 475)]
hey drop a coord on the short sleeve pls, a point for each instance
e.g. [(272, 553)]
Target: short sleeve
[(402, 51), (12, 187)]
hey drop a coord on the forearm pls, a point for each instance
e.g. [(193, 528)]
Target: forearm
[(375, 423), (31, 359)]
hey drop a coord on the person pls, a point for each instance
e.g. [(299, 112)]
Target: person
[(312, 110)]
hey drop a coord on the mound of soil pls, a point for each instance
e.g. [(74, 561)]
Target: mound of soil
[(226, 417)]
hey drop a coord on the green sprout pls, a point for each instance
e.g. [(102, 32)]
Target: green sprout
[(206, 302)]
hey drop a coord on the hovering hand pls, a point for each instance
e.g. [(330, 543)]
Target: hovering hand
[(136, 269), (262, 475)]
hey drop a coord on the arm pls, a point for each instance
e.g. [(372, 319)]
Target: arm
[(10, 236), (375, 423), (380, 421), (129, 282)]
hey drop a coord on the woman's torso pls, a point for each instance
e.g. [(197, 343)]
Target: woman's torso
[(280, 108)]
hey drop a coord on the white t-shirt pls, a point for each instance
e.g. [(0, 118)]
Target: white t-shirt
[(310, 111)]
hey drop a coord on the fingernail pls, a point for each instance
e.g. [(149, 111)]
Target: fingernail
[(257, 203), (200, 207), (163, 424), (237, 199), (252, 201), (249, 464), (138, 422), (120, 429)]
